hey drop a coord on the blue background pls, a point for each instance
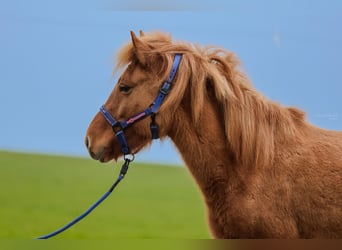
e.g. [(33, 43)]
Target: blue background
[(57, 57)]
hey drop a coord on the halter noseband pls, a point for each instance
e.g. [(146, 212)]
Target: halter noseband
[(119, 126)]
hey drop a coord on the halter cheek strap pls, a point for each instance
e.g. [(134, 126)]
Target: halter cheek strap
[(163, 91), (119, 126)]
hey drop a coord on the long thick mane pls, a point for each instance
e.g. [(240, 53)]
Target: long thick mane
[(252, 123)]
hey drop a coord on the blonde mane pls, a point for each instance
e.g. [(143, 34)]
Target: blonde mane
[(252, 123)]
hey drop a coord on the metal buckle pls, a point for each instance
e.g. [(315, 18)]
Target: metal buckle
[(165, 88)]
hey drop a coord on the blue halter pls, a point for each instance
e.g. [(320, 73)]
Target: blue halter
[(119, 126)]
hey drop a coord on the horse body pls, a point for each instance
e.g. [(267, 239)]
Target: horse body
[(263, 170), (297, 195)]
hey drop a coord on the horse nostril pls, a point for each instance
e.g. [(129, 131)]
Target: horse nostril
[(87, 141)]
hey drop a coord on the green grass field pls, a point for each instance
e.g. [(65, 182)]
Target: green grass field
[(40, 193)]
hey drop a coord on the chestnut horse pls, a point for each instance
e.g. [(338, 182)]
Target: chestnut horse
[(263, 170)]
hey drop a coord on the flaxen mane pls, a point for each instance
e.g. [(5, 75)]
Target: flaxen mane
[(250, 120)]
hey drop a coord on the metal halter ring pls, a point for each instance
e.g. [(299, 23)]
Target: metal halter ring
[(129, 157)]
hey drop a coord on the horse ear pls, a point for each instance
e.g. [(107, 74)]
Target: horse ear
[(140, 48), (141, 33)]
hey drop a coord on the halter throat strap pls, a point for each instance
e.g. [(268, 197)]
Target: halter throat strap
[(119, 126)]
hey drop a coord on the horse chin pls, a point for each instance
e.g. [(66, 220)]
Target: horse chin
[(105, 159), (109, 156)]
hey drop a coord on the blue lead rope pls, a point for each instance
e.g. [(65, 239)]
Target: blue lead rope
[(122, 174), (150, 111)]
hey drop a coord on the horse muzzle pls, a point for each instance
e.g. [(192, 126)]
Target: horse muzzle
[(100, 153)]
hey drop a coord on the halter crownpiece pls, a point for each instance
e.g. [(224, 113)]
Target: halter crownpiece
[(119, 126)]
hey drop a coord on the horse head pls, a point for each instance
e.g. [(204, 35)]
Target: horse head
[(132, 99)]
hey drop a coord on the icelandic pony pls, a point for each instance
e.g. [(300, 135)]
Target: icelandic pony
[(263, 170)]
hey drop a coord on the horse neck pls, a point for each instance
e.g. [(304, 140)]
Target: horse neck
[(203, 148)]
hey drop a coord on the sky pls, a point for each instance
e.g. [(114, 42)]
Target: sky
[(57, 57)]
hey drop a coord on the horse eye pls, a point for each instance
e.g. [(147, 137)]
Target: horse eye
[(125, 89)]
